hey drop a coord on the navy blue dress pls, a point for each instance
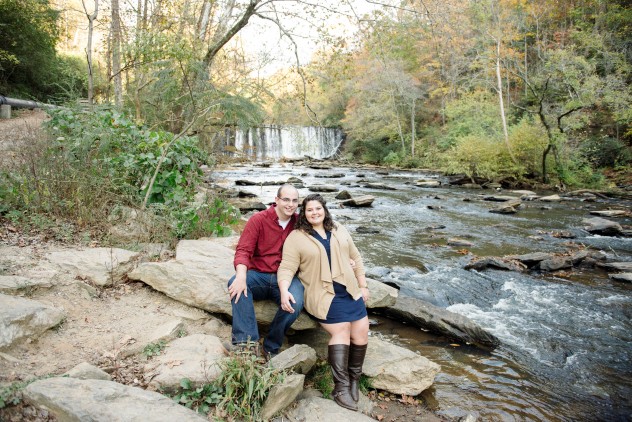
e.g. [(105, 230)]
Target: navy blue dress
[(343, 308)]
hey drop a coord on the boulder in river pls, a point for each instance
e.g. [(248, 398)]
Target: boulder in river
[(496, 263), (359, 201), (611, 213), (500, 198), (459, 243), (619, 266), (428, 316), (323, 188), (329, 175), (343, 195), (505, 209), (427, 183), (624, 277), (246, 205), (601, 226), (379, 186), (550, 198)]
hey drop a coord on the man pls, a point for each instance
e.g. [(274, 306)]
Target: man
[(257, 260)]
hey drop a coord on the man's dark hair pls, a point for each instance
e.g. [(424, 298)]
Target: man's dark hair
[(303, 224)]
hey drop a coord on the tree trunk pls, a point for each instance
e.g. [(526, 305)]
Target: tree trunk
[(205, 17), (549, 135), (138, 73), (412, 130), (222, 39), (499, 88), (91, 18), (116, 54)]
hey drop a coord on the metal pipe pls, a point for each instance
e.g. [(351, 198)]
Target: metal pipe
[(17, 103)]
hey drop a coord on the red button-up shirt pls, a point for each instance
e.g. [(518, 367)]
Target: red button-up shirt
[(261, 243)]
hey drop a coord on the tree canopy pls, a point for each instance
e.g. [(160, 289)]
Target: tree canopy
[(524, 88)]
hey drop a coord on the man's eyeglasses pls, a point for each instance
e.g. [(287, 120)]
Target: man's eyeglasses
[(288, 200)]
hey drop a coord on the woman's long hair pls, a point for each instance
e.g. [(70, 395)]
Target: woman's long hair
[(303, 224)]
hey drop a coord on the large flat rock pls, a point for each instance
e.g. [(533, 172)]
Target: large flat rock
[(199, 276), (22, 318), (12, 284), (317, 409), (194, 357), (103, 266), (70, 399)]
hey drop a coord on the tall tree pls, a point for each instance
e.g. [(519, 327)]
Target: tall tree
[(115, 46), (91, 18)]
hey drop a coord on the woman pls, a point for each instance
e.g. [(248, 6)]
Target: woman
[(321, 251)]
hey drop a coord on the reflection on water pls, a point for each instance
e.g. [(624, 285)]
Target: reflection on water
[(565, 352)]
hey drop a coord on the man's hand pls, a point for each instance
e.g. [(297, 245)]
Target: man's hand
[(238, 287), (286, 300)]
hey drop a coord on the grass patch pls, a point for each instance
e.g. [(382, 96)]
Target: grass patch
[(238, 393)]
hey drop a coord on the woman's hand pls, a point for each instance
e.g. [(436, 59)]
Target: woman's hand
[(286, 301), (365, 293)]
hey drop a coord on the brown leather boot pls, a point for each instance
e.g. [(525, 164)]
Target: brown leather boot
[(338, 359), (356, 359)]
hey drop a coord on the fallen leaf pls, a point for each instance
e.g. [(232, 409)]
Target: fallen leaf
[(380, 417), (173, 363)]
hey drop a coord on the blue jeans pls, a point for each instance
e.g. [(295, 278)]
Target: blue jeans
[(263, 286)]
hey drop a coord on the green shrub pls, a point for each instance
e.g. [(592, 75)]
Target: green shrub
[(528, 140), (98, 161), (392, 159), (606, 152), (238, 392), (478, 156), (474, 114)]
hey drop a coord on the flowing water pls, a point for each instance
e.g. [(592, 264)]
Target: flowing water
[(275, 142), (566, 338)]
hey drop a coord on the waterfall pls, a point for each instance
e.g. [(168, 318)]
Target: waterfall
[(276, 142)]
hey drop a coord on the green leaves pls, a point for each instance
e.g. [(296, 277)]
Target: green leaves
[(238, 392)]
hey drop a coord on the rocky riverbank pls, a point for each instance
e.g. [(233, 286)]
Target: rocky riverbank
[(124, 324)]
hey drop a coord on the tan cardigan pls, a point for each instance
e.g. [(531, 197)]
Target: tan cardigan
[(303, 253)]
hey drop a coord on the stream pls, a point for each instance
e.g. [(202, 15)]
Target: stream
[(566, 337)]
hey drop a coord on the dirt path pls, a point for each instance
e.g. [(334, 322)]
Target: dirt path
[(25, 127)]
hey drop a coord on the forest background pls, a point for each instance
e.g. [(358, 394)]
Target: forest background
[(518, 91)]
